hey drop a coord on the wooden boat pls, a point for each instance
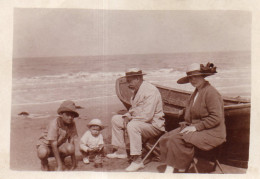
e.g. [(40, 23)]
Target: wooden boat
[(235, 151)]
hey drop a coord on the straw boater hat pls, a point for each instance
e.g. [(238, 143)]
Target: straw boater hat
[(96, 122), (196, 69), (134, 72), (68, 106)]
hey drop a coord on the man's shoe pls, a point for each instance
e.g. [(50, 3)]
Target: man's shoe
[(134, 167), (116, 155)]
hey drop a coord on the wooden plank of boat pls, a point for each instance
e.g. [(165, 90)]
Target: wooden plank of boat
[(237, 118)]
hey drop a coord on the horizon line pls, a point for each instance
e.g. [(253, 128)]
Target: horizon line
[(60, 56)]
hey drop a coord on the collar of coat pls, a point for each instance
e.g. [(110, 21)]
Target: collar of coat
[(203, 85)]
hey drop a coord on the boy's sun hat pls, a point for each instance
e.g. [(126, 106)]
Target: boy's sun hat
[(96, 122), (197, 69), (68, 106)]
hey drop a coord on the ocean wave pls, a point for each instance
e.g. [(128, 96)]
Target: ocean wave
[(152, 75), (87, 76), (69, 77), (59, 101)]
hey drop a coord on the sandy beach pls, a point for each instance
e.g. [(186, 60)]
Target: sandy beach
[(40, 85), (26, 131), (77, 54), (40, 89)]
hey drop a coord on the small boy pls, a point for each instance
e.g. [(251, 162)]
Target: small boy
[(91, 143), (58, 140)]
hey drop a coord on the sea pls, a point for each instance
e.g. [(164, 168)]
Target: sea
[(54, 79)]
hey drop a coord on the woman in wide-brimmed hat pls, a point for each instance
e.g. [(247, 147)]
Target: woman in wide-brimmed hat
[(204, 125)]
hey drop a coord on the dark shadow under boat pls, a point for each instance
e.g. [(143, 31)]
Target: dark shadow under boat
[(235, 151)]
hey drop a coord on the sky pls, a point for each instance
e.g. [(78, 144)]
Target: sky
[(81, 32)]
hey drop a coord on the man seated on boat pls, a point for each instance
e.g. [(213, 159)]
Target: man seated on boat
[(143, 120)]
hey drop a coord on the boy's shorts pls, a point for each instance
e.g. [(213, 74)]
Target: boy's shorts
[(49, 148)]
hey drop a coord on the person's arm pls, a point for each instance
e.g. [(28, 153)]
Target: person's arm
[(55, 150), (181, 114), (73, 156), (83, 142), (214, 104), (52, 136), (83, 147), (100, 142), (145, 111), (127, 115)]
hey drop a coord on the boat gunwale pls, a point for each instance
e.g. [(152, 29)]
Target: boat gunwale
[(225, 98), (242, 103)]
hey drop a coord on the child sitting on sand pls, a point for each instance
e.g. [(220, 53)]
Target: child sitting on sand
[(58, 140), (91, 143)]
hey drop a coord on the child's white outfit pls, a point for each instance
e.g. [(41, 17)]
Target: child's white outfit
[(89, 141)]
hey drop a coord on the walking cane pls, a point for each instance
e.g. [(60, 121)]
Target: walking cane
[(125, 131), (151, 150)]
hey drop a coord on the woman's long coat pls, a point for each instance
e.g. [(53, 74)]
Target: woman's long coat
[(207, 115)]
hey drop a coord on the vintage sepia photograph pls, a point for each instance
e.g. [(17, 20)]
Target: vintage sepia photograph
[(158, 91)]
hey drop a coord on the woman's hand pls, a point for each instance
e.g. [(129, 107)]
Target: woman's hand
[(188, 129)]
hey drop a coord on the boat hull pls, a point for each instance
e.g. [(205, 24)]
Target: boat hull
[(235, 151)]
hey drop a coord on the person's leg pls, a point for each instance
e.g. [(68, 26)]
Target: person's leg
[(118, 133), (43, 153), (85, 158), (163, 143), (138, 130), (179, 153), (202, 140), (118, 137), (67, 149), (175, 152)]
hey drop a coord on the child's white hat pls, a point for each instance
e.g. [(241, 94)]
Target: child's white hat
[(96, 122)]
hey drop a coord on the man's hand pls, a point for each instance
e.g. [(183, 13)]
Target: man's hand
[(188, 129), (126, 120)]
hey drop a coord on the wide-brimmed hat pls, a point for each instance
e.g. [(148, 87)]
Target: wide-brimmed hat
[(134, 72), (197, 69), (68, 106), (96, 122)]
